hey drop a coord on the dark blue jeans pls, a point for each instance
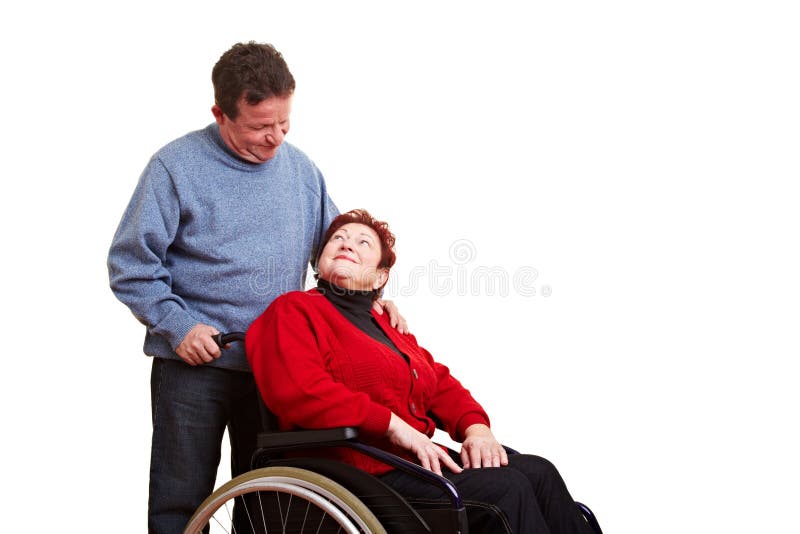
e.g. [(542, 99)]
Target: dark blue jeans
[(191, 408)]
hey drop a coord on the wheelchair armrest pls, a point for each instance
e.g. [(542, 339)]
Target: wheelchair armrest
[(411, 468), (303, 439), (347, 436)]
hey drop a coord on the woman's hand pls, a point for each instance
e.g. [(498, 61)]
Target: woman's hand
[(481, 449), (430, 455), (395, 319)]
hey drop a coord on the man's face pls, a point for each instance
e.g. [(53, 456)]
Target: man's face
[(259, 129)]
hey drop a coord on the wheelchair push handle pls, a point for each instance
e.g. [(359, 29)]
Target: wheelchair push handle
[(223, 339)]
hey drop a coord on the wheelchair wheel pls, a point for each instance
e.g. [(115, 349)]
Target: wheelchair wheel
[(283, 500)]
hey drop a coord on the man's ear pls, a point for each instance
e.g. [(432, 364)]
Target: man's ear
[(219, 116)]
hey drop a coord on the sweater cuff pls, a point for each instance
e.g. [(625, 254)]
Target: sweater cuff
[(377, 422), (469, 419), (175, 326)]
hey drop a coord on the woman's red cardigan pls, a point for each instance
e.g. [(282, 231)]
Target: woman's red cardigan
[(315, 369)]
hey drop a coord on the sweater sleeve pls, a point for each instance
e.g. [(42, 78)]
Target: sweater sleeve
[(137, 273), (285, 351)]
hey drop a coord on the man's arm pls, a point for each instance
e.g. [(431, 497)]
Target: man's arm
[(136, 260)]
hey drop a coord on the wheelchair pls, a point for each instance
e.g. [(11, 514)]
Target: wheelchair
[(287, 492)]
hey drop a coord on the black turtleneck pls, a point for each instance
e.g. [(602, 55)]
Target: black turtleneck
[(356, 306)]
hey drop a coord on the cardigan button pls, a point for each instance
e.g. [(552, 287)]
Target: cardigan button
[(413, 408), (414, 372)]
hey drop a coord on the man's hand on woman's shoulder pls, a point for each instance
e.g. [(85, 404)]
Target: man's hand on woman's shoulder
[(395, 319)]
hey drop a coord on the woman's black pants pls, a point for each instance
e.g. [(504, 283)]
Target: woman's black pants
[(529, 494)]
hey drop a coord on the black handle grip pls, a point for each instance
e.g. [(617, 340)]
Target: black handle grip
[(224, 339)]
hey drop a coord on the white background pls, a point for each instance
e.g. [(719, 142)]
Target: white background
[(640, 156)]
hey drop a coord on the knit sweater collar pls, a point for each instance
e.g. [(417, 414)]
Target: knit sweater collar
[(349, 300)]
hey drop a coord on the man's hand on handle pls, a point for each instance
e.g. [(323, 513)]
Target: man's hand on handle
[(198, 347)]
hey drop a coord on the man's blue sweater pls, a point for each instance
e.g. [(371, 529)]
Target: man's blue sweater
[(209, 238)]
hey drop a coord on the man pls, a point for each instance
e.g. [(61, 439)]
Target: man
[(222, 221)]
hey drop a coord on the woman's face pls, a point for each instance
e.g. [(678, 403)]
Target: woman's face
[(350, 259)]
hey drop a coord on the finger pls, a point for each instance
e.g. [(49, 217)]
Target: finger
[(435, 467), (206, 348), (185, 356), (503, 456), (486, 458), (211, 348), (378, 306), (202, 356), (189, 361), (464, 457), (403, 328), (196, 351), (450, 463), (391, 309), (426, 464), (474, 458)]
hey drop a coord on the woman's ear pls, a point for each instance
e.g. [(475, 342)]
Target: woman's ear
[(381, 277)]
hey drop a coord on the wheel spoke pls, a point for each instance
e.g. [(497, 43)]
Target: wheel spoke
[(280, 510), (305, 517), (288, 507), (263, 519), (214, 517), (322, 520), (247, 512), (230, 517)]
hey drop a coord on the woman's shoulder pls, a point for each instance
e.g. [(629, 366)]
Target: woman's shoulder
[(297, 299), (289, 308)]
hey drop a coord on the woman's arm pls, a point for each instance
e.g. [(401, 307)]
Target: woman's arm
[(285, 348)]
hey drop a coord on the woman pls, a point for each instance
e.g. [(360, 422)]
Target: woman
[(323, 359)]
